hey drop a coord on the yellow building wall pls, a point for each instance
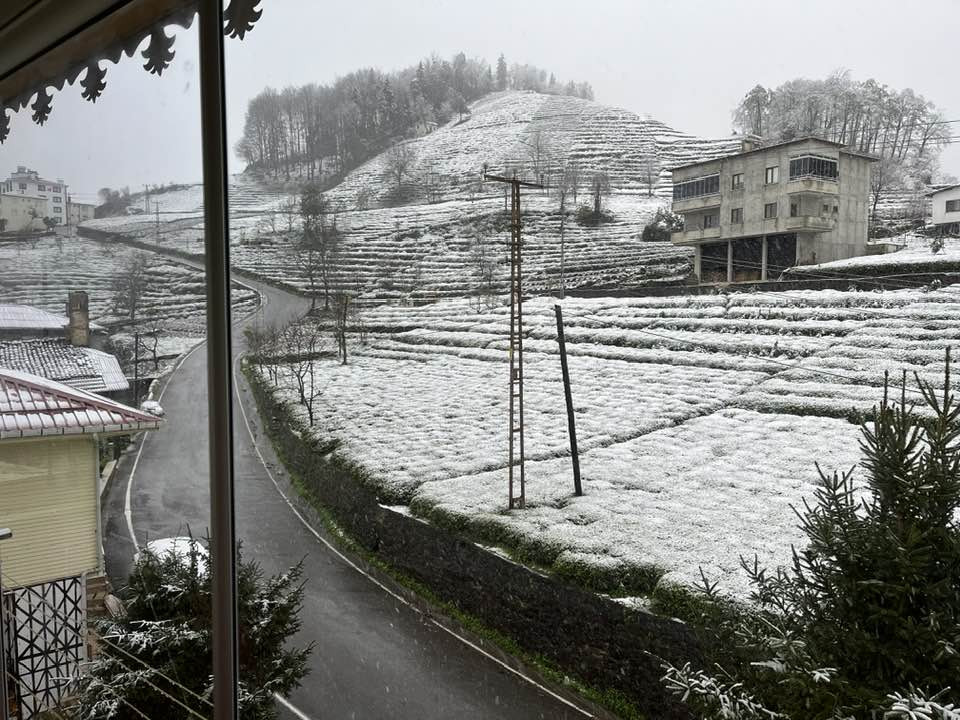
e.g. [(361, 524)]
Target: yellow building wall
[(49, 499)]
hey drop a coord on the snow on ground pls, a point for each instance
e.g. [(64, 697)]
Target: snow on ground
[(700, 418), (41, 272), (695, 495), (917, 251)]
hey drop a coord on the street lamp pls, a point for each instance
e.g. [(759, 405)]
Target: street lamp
[(5, 534)]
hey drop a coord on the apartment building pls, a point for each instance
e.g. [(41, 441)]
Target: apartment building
[(751, 215), (28, 183)]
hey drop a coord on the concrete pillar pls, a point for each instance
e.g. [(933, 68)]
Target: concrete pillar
[(697, 263), (763, 258), (729, 261)]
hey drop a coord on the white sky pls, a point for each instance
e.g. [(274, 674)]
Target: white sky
[(685, 62)]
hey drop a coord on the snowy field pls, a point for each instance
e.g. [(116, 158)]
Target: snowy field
[(699, 418), (41, 273)]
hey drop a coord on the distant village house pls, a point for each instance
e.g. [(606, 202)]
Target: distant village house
[(751, 215), (946, 210)]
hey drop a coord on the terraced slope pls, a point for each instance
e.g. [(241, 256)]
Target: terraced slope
[(700, 419)]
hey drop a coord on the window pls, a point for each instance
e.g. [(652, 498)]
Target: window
[(56, 198), (813, 166), (58, 210), (736, 216), (772, 175), (41, 187), (710, 221), (770, 210), (736, 181), (826, 210), (952, 206), (794, 209), (55, 188), (23, 186), (697, 187)]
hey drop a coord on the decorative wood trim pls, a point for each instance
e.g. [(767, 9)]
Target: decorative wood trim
[(118, 32)]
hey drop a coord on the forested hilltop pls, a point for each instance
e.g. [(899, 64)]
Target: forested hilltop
[(866, 115), (323, 131)]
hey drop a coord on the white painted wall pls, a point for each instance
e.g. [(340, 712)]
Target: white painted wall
[(940, 215)]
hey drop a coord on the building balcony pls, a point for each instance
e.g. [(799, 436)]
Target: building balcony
[(813, 223), (687, 237), (813, 184), (703, 202)]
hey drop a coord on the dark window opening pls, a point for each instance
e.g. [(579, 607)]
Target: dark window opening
[(953, 206), (813, 166), (713, 263), (698, 187), (736, 216), (736, 181), (770, 210), (794, 209), (772, 175), (747, 257), (710, 221), (781, 254)]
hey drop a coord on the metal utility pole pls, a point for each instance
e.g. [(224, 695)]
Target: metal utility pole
[(136, 369), (571, 423), (156, 205), (5, 534), (516, 339)]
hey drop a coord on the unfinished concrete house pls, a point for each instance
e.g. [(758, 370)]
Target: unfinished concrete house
[(751, 215)]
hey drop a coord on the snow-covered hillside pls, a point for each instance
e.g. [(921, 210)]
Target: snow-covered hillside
[(700, 419), (419, 250), (498, 132)]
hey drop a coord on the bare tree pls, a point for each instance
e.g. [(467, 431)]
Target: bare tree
[(290, 209), (400, 159), (538, 146), (484, 266), (301, 343), (571, 172), (599, 187), (130, 284), (317, 245), (363, 198), (885, 174), (340, 326), (650, 171), (566, 184)]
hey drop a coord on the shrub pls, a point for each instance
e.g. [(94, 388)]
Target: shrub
[(662, 224), (587, 216), (936, 245), (871, 605)]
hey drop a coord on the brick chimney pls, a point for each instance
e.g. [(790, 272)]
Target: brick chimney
[(78, 314)]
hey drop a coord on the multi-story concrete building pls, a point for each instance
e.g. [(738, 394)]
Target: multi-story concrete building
[(21, 213), (28, 182), (945, 209), (751, 215), (78, 212)]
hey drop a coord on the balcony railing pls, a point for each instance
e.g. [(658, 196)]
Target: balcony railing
[(696, 235), (809, 222)]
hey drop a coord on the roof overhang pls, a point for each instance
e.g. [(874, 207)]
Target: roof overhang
[(45, 44)]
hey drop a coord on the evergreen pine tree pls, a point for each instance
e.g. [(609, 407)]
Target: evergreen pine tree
[(162, 648)]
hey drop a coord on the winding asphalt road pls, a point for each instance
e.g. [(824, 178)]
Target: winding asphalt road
[(374, 655)]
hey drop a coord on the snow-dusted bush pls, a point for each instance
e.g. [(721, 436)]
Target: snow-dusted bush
[(162, 648)]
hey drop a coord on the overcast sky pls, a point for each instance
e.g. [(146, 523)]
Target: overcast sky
[(686, 63)]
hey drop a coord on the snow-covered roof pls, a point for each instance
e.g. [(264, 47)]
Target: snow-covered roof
[(942, 189), (56, 359), (32, 406), (17, 317)]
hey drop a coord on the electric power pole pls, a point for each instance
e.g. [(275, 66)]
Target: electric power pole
[(515, 440), (156, 206)]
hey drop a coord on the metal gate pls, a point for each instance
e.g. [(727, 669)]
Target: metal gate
[(46, 637)]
